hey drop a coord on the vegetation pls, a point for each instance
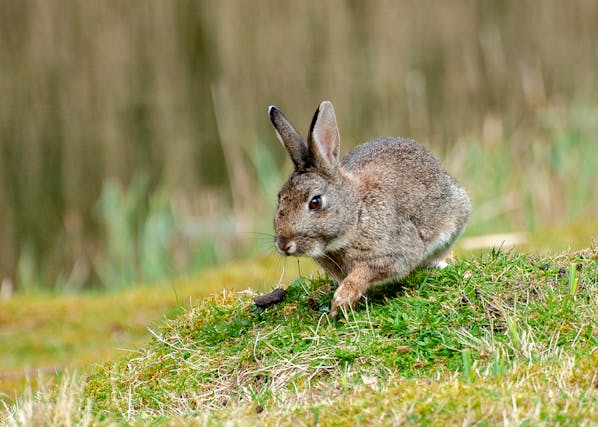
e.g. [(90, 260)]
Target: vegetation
[(135, 149), (44, 334), (493, 339)]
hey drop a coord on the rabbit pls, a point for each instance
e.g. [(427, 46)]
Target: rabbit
[(371, 217)]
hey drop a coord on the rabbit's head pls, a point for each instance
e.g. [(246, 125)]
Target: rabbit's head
[(318, 205)]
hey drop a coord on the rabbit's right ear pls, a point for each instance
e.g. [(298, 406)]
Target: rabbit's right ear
[(324, 141), (289, 138)]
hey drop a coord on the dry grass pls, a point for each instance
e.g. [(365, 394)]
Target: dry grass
[(63, 405)]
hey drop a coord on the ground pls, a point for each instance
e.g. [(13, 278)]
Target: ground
[(500, 338)]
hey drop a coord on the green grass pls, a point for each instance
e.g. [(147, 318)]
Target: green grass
[(42, 334), (501, 338)]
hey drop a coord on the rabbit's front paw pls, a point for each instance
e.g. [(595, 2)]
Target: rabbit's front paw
[(344, 298)]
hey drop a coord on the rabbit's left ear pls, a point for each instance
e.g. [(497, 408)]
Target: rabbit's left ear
[(323, 140), (289, 138)]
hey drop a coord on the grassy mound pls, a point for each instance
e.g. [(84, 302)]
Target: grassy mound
[(501, 338)]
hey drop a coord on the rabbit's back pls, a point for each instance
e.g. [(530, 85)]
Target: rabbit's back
[(401, 156), (412, 182)]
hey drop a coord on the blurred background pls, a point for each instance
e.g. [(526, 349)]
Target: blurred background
[(135, 144)]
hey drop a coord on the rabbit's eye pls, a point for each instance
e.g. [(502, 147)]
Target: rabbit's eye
[(315, 203)]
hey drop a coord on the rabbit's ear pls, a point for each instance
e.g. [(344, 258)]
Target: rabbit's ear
[(289, 138), (324, 140)]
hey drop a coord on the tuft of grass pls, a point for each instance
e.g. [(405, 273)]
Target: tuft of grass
[(58, 405), (495, 339)]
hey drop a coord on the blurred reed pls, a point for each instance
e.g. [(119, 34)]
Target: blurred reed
[(94, 94)]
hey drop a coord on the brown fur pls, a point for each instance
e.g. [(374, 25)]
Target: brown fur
[(388, 206)]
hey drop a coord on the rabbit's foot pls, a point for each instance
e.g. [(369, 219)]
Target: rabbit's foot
[(344, 298), (350, 291)]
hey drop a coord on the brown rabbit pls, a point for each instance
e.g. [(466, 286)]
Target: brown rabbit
[(386, 208)]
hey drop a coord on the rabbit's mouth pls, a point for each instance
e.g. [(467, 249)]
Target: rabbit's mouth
[(298, 246)]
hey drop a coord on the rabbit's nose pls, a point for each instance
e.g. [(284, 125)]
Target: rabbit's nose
[(286, 246), (290, 248)]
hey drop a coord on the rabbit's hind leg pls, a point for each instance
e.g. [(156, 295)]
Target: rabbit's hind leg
[(439, 261), (437, 252)]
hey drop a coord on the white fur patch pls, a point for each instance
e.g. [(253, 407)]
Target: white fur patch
[(443, 241), (338, 243), (440, 264), (316, 252)]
